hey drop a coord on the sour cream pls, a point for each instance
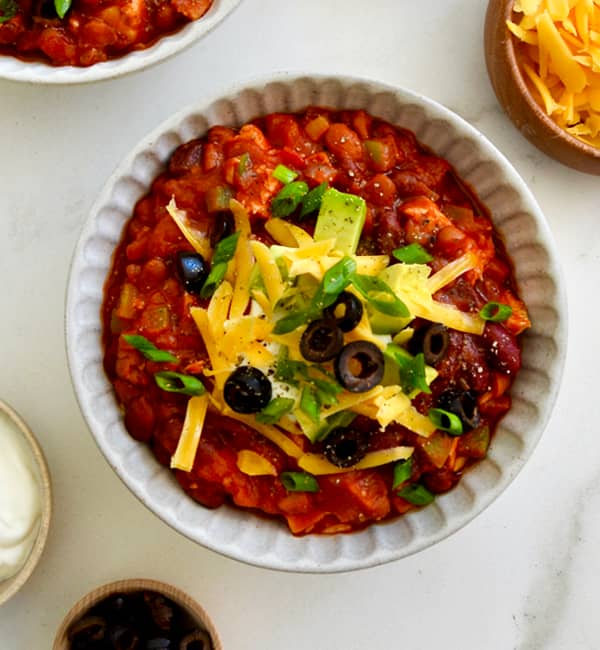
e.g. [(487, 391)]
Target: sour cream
[(20, 498)]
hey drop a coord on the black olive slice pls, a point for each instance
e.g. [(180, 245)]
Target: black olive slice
[(359, 366), (346, 446), (223, 226), (124, 637), (461, 403), (321, 340), (198, 640), (192, 270), (88, 629), (247, 390), (351, 309), (435, 343)]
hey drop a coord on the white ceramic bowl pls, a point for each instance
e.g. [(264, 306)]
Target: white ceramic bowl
[(10, 586), (267, 543), (42, 73)]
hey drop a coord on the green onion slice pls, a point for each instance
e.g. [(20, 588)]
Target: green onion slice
[(310, 404), (284, 174), (412, 369), (379, 295), (148, 349), (214, 279), (245, 163), (497, 312), (402, 472), (299, 482), (290, 322), (288, 199), (339, 276), (446, 421), (175, 382), (225, 249), (339, 419), (416, 494), (312, 201), (412, 254), (286, 369), (61, 7), (8, 10), (275, 410)]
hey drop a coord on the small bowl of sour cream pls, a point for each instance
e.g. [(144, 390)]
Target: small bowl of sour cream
[(25, 502)]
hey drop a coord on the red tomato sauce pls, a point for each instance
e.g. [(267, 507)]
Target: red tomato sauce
[(91, 31), (412, 196)]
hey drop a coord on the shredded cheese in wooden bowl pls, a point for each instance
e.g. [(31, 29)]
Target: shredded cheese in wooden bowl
[(559, 53)]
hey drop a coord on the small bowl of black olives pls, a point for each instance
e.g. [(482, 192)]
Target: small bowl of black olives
[(137, 614)]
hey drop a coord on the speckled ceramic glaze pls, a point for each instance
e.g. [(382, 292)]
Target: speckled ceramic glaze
[(239, 534), (42, 73)]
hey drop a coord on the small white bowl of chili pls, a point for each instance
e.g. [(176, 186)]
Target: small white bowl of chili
[(81, 41), (449, 149)]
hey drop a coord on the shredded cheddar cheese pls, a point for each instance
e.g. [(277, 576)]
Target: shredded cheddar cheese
[(185, 454), (559, 52)]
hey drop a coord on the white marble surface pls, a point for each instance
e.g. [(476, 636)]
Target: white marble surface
[(523, 575)]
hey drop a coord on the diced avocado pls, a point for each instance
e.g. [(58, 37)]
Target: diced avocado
[(341, 217), (384, 324)]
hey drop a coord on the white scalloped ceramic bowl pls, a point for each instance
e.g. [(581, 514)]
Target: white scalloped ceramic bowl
[(42, 73), (267, 543)]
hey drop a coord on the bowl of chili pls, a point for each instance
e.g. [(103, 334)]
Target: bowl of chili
[(81, 41), (260, 430)]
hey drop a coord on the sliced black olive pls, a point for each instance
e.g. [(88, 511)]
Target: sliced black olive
[(321, 340), (359, 366), (159, 643), (197, 640), (435, 343), (193, 270), (347, 311), (124, 637), (346, 446), (223, 226), (461, 403), (87, 630), (247, 390)]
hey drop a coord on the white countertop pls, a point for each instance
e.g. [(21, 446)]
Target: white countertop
[(523, 575)]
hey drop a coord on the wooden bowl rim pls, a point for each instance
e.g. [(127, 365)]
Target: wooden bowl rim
[(549, 123), (10, 586), (129, 585)]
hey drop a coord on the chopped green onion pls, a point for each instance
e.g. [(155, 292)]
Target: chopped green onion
[(8, 10), (299, 482), (339, 276), (224, 252), (275, 410), (214, 279), (496, 312), (62, 6), (412, 254), (379, 295), (416, 494), (225, 249), (446, 421), (309, 403), (284, 174), (412, 369), (339, 419), (288, 199), (402, 472), (290, 322), (286, 369), (148, 349), (312, 201), (175, 382)]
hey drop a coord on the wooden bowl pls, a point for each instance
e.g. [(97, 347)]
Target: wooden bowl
[(516, 99), (186, 602), (10, 586)]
